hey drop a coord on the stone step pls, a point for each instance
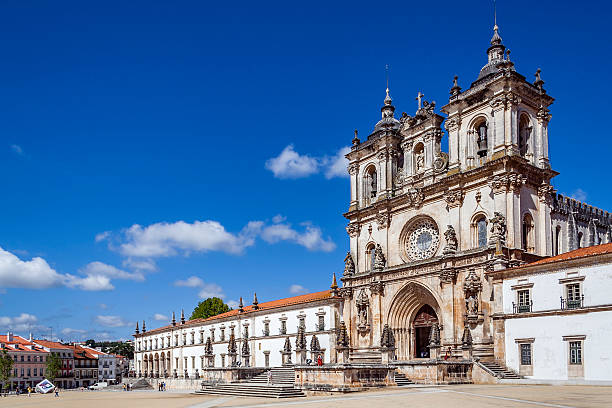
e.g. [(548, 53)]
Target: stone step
[(401, 380), (252, 390)]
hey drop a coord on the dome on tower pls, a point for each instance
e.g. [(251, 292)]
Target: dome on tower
[(388, 121)]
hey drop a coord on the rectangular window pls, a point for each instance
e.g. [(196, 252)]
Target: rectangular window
[(192, 338), (192, 361), (266, 329), (524, 301), (212, 335), (222, 334), (15, 373), (283, 328), (574, 297), (176, 343), (575, 348), (201, 337), (321, 322), (29, 372), (303, 322), (526, 354), (222, 360), (35, 372)]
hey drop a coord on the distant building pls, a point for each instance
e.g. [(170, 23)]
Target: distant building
[(65, 378), (85, 366), (107, 365), (29, 361)]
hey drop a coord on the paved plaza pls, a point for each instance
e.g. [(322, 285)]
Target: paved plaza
[(472, 396)]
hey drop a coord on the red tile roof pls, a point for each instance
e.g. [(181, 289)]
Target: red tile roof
[(16, 340), (578, 253), (274, 304), (52, 344)]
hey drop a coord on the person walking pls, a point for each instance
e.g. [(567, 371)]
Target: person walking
[(56, 392), (269, 375)]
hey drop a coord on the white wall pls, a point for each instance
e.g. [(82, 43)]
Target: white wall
[(550, 352)]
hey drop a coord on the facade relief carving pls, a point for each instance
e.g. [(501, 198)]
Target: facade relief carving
[(452, 244), (349, 265), (471, 291), (498, 229), (454, 198), (383, 220), (353, 229), (363, 304), (379, 259), (377, 288)]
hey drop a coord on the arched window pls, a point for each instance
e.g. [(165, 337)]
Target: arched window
[(528, 234), (482, 136), (524, 135), (419, 158), (580, 240), (370, 256), (371, 182), (479, 231), (557, 249)]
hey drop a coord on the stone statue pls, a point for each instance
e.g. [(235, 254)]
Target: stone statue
[(379, 259), (420, 161), (471, 305), (349, 265), (498, 229), (362, 302), (451, 241)]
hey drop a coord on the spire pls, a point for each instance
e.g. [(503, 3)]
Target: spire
[(456, 89), (300, 339), (137, 331), (173, 319), (466, 339), (144, 328), (387, 121), (538, 81), (314, 343), (287, 347), (182, 316), (240, 306), (334, 285), (356, 140), (255, 302)]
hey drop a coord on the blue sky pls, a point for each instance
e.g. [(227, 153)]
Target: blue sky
[(153, 153)]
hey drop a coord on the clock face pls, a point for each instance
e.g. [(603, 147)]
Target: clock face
[(422, 240)]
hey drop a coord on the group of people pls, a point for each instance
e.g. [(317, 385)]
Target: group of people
[(161, 386), (127, 387)]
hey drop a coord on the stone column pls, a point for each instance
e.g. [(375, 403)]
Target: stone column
[(342, 355), (544, 228), (542, 138), (353, 170), (453, 125), (408, 169), (382, 174)]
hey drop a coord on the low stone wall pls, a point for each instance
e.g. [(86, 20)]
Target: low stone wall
[(344, 377), (207, 376), (437, 371)]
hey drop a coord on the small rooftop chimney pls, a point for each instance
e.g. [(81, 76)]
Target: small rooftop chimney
[(9, 336)]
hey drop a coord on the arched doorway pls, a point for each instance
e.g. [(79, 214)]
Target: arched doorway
[(421, 327), (413, 312)]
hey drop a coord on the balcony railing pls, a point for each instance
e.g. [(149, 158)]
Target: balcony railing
[(522, 307), (572, 303)]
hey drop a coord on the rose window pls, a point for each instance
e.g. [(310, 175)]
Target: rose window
[(422, 240)]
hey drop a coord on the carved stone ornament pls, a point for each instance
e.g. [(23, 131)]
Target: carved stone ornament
[(451, 241), (346, 292), (379, 259), (363, 303), (471, 291), (440, 163), (377, 288), (422, 240), (353, 229), (415, 198), (452, 124), (353, 168), (349, 265), (516, 181), (507, 182), (543, 115), (383, 220), (454, 198), (387, 340), (498, 229), (545, 192), (448, 275)]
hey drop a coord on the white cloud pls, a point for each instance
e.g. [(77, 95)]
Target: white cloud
[(102, 236), (211, 290), (311, 238), (579, 195), (278, 218), (297, 289), (290, 164), (160, 317), (69, 332), (140, 264), (89, 283), (101, 269), (33, 274), (103, 306), (190, 282), (335, 166), (232, 303), (111, 321), (22, 323), (167, 239), (17, 149)]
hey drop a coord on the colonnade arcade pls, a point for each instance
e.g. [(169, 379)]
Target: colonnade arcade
[(156, 364)]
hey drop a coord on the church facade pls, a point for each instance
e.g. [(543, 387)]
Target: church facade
[(428, 228)]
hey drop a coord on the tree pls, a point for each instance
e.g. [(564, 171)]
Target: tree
[(6, 366), (209, 307), (54, 365)]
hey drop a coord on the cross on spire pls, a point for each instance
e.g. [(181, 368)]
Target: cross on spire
[(419, 98)]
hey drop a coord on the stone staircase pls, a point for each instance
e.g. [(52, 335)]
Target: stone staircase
[(500, 370), (365, 357), (401, 380), (282, 385)]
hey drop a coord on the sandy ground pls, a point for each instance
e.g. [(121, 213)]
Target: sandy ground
[(472, 396)]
